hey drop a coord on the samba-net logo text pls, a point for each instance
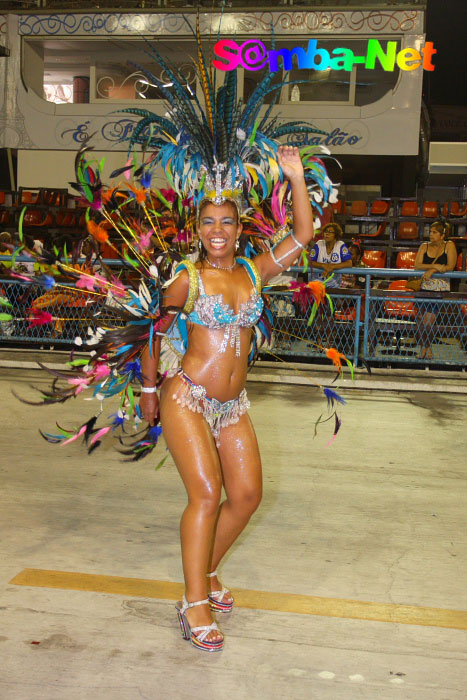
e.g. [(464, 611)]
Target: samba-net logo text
[(252, 54)]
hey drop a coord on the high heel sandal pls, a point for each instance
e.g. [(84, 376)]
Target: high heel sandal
[(190, 633), (216, 598)]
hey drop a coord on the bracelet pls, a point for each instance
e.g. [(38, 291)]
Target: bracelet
[(149, 389)]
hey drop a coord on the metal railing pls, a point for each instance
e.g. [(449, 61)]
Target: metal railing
[(371, 325)]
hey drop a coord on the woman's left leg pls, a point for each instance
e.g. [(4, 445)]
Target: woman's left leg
[(242, 476)]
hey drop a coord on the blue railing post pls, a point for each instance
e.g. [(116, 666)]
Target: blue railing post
[(367, 315), (358, 324)]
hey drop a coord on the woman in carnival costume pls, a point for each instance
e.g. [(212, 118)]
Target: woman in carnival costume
[(204, 405), (191, 328)]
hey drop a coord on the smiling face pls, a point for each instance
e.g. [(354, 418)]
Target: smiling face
[(219, 229)]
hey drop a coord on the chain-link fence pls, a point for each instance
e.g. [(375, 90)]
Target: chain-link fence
[(422, 328), (371, 325), (293, 336), (59, 315)]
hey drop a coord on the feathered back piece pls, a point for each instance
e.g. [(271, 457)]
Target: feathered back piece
[(222, 151)]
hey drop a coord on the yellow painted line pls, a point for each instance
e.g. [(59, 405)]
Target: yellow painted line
[(257, 600)]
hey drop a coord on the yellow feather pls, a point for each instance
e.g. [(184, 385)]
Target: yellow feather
[(169, 137), (274, 167), (253, 174)]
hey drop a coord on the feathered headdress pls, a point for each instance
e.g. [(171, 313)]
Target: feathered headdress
[(223, 150)]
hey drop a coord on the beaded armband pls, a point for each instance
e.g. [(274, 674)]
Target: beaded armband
[(189, 266), (296, 247), (252, 271)]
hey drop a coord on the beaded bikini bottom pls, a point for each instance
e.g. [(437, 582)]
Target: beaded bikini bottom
[(218, 415)]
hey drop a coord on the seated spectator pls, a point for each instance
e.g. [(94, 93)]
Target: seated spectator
[(438, 255), (355, 281), (329, 255)]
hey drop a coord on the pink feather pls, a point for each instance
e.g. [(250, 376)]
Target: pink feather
[(86, 282), (118, 288), (80, 383), (75, 437), (99, 434), (39, 318), (101, 370)]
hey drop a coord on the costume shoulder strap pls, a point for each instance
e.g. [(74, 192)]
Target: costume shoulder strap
[(252, 270), (193, 281)]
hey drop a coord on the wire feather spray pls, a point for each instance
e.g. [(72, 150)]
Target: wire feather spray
[(230, 100), (205, 84)]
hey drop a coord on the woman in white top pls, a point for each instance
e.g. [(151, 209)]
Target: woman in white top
[(330, 254)]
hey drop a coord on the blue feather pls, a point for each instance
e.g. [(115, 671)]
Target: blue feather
[(333, 397)]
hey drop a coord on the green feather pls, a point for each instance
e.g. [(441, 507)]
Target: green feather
[(20, 223)]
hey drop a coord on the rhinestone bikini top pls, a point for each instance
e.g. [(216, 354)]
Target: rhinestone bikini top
[(211, 311)]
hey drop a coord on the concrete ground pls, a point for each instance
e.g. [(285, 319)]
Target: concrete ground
[(350, 578)]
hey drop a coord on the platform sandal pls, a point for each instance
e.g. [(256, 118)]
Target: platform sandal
[(191, 633), (216, 598)]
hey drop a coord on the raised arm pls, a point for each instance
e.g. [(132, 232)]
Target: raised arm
[(288, 250), (175, 295)]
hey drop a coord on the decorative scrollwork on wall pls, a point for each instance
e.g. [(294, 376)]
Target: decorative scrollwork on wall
[(138, 85), (100, 24), (107, 88), (326, 20), (126, 24)]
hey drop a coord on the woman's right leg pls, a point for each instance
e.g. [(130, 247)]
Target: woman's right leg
[(192, 447), (428, 334)]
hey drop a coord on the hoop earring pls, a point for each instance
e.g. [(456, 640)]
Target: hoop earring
[(237, 245), (200, 245)]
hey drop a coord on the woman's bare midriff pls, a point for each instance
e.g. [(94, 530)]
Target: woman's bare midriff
[(223, 374)]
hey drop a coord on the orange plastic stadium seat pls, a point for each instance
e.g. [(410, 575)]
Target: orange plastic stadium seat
[(430, 210), (54, 198), (447, 206), (2, 197), (380, 207), (407, 231), (409, 209), (377, 232), (29, 197), (375, 258), (34, 217), (458, 210), (339, 207), (69, 219), (401, 309), (359, 208), (4, 217), (459, 263), (406, 260)]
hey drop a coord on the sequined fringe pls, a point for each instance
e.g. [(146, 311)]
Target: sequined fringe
[(218, 415)]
